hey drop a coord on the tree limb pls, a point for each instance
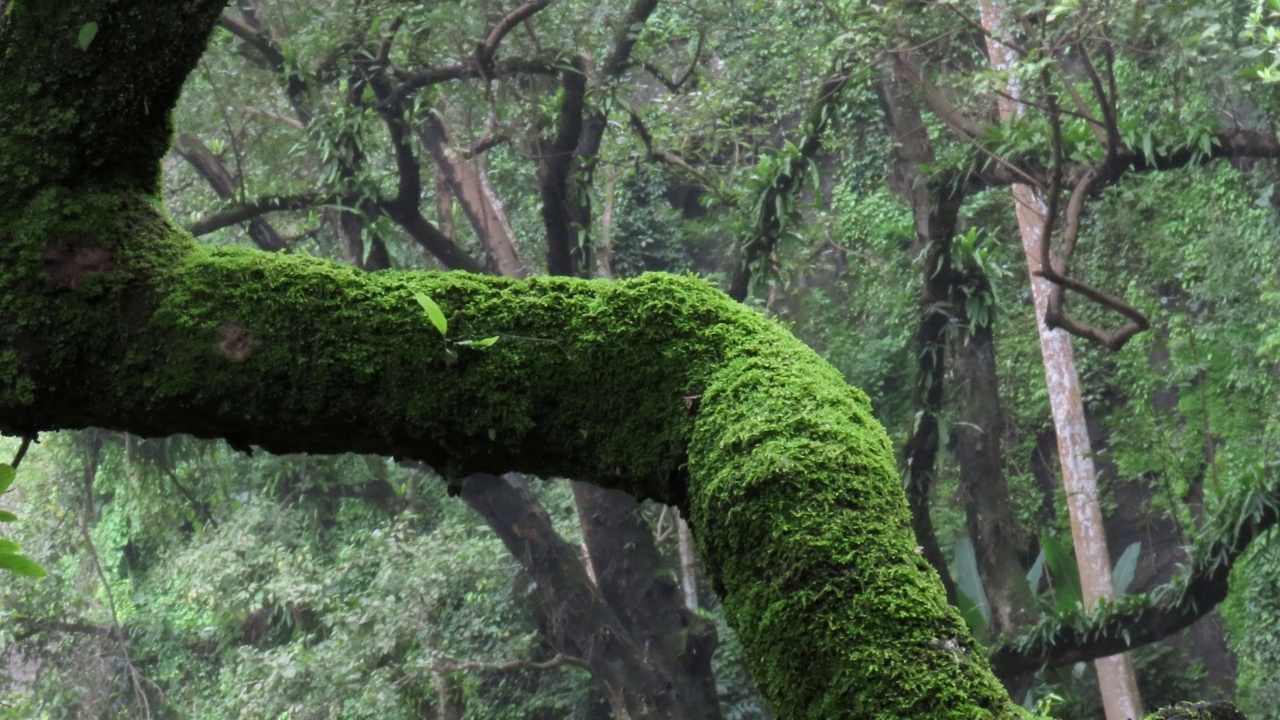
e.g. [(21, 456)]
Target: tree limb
[(485, 50), (238, 213), (1132, 621)]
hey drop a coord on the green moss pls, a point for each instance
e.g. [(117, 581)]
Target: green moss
[(797, 506), (788, 479), (95, 115)]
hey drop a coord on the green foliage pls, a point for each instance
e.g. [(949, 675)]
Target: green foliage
[(11, 557), (1253, 616)]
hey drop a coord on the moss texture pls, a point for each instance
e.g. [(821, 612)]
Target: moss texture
[(659, 386)]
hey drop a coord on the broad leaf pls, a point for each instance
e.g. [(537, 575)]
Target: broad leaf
[(1122, 576), (434, 313), (21, 565), (486, 342), (88, 32)]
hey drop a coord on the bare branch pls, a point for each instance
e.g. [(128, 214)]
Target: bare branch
[(34, 626), (664, 156), (485, 50), (936, 98), (675, 85), (560, 660), (412, 81), (291, 122), (240, 212)]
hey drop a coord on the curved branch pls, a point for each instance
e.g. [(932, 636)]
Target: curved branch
[(786, 478), (675, 85), (1135, 620), (234, 214), (1052, 268), (412, 81), (485, 50)]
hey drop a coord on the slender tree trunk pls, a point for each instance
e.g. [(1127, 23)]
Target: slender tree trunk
[(1116, 679), (688, 563), (934, 212)]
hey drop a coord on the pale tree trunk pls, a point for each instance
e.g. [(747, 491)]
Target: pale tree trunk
[(688, 564), (1116, 679)]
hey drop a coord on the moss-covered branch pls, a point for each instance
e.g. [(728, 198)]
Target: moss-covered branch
[(122, 322), (661, 387)]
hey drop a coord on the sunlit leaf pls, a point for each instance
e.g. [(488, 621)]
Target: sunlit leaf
[(434, 313), (21, 565)]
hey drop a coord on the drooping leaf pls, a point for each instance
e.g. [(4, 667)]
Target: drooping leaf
[(1064, 573), (1122, 576), (88, 32), (434, 313), (1036, 573), (9, 547), (7, 474), (6, 516), (21, 565), (969, 585)]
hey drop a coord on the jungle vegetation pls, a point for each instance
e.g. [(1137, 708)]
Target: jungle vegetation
[(642, 359)]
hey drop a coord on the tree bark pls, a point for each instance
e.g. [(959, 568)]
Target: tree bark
[(976, 446), (934, 210), (577, 622), (1116, 679), (677, 644)]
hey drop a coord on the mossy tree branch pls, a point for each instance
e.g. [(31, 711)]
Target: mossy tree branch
[(116, 318)]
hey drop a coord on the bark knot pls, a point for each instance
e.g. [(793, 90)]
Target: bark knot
[(72, 258), (235, 341)]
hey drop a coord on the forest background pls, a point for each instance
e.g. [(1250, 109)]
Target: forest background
[(822, 162)]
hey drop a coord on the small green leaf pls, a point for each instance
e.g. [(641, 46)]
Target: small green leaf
[(9, 547), (88, 32), (434, 313), (6, 516), (487, 342), (493, 435), (21, 565), (7, 474)]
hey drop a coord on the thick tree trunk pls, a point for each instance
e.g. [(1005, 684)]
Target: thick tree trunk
[(975, 442), (677, 644), (115, 318), (976, 446), (934, 211), (577, 622)]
